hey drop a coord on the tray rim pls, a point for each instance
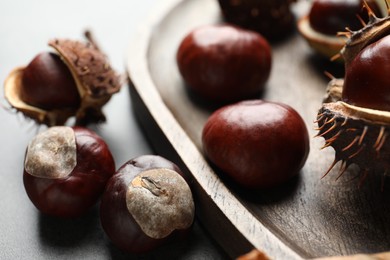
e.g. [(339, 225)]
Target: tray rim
[(142, 85)]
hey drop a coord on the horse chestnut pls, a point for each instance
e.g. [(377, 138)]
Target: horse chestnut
[(365, 86), (258, 144), (272, 18), (48, 83), (145, 203), (223, 63), (66, 170), (355, 117), (76, 82)]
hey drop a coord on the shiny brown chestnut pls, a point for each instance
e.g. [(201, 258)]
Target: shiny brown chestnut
[(66, 170), (258, 144), (367, 81), (146, 203), (48, 83), (223, 63), (271, 18), (75, 82)]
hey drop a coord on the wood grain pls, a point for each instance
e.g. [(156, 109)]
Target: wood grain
[(306, 218)]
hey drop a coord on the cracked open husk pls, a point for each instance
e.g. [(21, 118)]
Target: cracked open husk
[(359, 135), (96, 82)]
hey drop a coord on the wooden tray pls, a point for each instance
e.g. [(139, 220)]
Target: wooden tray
[(307, 218)]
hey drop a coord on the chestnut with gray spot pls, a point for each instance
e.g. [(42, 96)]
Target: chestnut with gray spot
[(52, 154), (66, 170), (160, 201)]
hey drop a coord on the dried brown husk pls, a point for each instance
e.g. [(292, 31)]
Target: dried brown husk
[(95, 79)]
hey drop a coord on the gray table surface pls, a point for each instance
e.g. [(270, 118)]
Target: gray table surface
[(25, 28)]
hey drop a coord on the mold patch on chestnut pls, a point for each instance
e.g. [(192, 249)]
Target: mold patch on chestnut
[(146, 203), (355, 118), (76, 82), (66, 170), (258, 144), (223, 63)]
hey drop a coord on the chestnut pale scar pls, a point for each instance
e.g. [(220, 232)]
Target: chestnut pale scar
[(160, 201), (52, 154)]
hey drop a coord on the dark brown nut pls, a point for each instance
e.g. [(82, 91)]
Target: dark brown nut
[(146, 203), (47, 83), (223, 64), (258, 144), (271, 18), (66, 170)]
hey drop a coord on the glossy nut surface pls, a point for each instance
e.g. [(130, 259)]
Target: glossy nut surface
[(223, 63), (145, 204), (272, 18), (49, 84), (367, 78), (66, 170), (258, 144)]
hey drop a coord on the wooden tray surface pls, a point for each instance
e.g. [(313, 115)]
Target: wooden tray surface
[(306, 218)]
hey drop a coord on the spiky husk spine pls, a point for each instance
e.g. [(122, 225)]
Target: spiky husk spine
[(355, 140), (358, 135)]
